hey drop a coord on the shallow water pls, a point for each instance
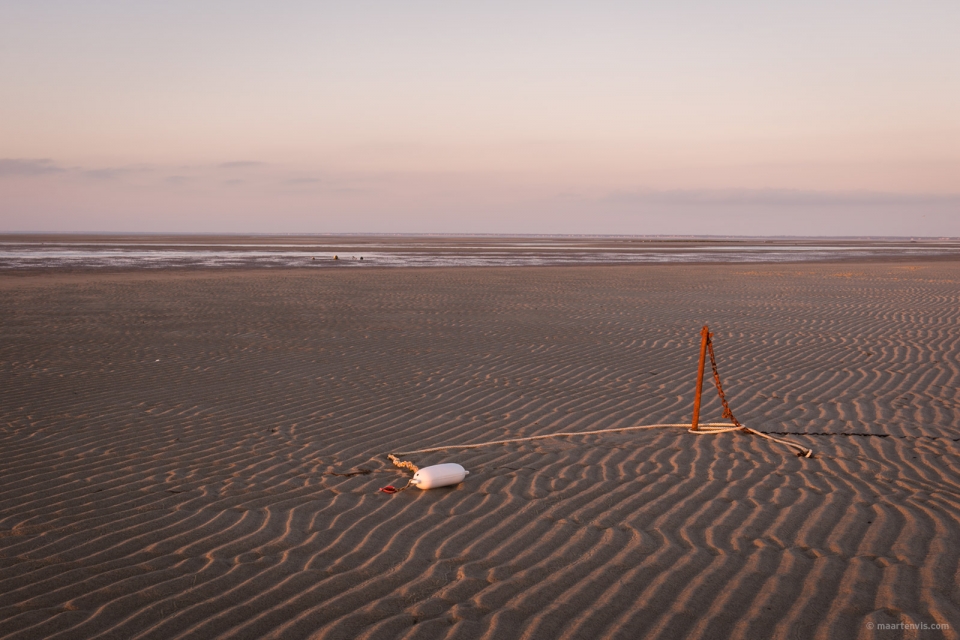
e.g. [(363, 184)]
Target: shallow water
[(154, 252)]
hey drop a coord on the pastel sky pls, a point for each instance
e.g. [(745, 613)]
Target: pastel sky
[(682, 117)]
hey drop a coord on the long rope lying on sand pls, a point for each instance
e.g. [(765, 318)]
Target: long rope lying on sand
[(713, 428)]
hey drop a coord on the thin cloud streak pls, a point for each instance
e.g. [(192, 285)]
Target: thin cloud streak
[(241, 164), (296, 181), (111, 173), (778, 198), (28, 167)]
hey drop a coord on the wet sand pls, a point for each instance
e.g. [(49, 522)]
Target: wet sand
[(24, 254), (197, 453)]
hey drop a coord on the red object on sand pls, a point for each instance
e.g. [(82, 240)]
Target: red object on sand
[(704, 341), (389, 489)]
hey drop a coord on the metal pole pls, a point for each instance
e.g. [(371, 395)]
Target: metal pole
[(704, 337)]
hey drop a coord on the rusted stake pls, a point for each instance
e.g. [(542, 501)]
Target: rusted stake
[(704, 338)]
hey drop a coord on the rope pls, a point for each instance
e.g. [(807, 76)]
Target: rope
[(392, 489), (713, 429), (403, 464), (406, 464), (709, 429), (802, 451)]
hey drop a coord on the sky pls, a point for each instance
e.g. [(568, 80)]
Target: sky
[(684, 117)]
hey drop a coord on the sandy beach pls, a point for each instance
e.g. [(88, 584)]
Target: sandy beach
[(197, 454)]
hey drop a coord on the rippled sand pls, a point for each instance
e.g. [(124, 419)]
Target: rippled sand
[(197, 454)]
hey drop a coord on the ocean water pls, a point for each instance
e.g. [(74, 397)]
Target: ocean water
[(159, 252)]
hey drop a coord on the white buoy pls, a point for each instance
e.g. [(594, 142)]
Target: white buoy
[(439, 475)]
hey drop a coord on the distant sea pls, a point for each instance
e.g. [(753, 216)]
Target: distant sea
[(33, 252)]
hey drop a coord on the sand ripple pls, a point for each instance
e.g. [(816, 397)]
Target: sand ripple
[(197, 455)]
